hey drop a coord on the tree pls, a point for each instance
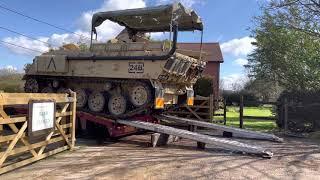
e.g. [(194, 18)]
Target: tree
[(301, 15), (263, 90), (285, 55)]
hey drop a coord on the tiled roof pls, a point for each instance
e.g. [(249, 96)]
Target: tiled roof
[(212, 51)]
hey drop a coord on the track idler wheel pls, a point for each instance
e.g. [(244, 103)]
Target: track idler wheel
[(117, 105), (82, 97), (31, 86), (96, 101), (140, 95)]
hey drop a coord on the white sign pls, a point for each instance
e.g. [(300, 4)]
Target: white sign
[(42, 116)]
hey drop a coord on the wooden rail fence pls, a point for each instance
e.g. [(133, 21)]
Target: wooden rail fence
[(242, 116), (202, 110), (17, 149)]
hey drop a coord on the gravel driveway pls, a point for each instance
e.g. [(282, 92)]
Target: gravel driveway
[(131, 158)]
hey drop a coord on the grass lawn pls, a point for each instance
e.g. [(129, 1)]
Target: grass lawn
[(11, 83), (257, 125)]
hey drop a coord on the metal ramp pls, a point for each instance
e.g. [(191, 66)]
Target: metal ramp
[(220, 142), (236, 132)]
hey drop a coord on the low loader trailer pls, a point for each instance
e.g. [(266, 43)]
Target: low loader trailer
[(122, 127), (116, 128)]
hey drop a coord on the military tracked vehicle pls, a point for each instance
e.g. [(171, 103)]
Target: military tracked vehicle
[(128, 74)]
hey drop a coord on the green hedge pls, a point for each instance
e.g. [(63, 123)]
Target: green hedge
[(204, 86)]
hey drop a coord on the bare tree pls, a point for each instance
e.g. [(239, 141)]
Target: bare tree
[(302, 15)]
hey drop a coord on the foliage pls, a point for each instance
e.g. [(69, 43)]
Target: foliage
[(204, 86), (303, 110), (300, 15), (285, 55), (264, 90), (27, 67), (233, 97), (83, 46), (11, 83)]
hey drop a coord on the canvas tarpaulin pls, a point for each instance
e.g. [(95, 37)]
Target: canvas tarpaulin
[(152, 19)]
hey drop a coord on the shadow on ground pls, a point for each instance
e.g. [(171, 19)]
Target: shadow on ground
[(131, 158)]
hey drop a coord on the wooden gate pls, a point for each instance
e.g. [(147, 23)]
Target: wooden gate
[(16, 147), (202, 109)]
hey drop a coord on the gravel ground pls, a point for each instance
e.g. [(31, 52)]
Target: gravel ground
[(131, 158)]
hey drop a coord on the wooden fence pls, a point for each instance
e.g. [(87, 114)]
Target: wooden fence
[(202, 109), (242, 116), (17, 147)]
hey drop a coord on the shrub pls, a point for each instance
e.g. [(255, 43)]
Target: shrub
[(233, 97), (303, 110), (204, 86)]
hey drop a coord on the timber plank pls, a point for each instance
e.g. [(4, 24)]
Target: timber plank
[(24, 98), (13, 143), (12, 120), (35, 145)]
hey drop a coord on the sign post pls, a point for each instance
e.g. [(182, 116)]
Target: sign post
[(42, 115)]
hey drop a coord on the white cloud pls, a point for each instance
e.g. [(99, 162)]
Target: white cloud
[(160, 35), (187, 3), (238, 47), (106, 31), (234, 81), (42, 43), (36, 46), (241, 61)]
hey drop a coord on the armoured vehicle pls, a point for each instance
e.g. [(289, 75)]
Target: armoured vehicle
[(130, 73)]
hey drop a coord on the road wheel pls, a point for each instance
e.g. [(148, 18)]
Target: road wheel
[(82, 97), (117, 105), (31, 86), (96, 101), (140, 95)]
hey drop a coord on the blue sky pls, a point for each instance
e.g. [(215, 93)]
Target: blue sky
[(226, 21)]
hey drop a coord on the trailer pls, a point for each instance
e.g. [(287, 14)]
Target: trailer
[(115, 128), (85, 121)]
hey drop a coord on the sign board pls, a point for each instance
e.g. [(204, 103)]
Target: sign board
[(42, 115)]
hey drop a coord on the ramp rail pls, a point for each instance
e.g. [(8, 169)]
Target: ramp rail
[(235, 131), (221, 142)]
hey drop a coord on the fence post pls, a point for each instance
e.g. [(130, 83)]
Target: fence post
[(224, 111), (241, 112), (211, 104), (73, 118), (285, 105)]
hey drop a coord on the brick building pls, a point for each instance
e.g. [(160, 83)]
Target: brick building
[(212, 54)]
